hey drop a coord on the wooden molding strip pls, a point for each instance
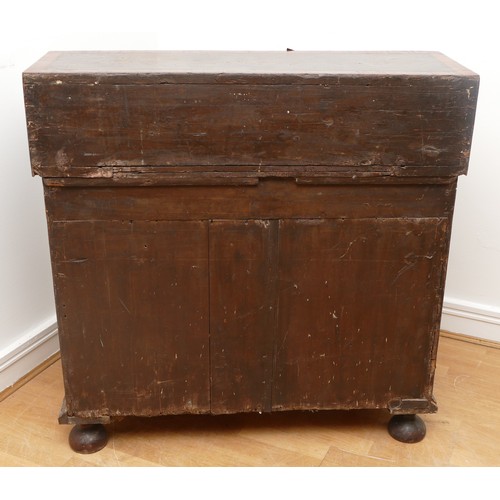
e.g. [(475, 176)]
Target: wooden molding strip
[(29, 376), (470, 339)]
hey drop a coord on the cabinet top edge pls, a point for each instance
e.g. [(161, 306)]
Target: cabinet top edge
[(212, 65)]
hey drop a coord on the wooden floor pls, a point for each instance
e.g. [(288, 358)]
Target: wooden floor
[(464, 432)]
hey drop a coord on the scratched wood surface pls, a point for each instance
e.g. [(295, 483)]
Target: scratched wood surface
[(243, 304), (269, 199), (359, 307), (368, 110), (132, 303), (459, 435), (248, 240), (225, 315)]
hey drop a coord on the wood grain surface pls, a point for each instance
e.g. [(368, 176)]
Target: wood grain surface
[(237, 314), (132, 303), (87, 110), (248, 232)]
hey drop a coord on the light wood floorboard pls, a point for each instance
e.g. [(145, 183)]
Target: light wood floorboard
[(464, 432)]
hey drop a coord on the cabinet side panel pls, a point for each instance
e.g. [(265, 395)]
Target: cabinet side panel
[(357, 311), (132, 299), (242, 314)]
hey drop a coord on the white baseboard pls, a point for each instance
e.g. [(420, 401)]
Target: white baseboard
[(27, 353), (469, 318)]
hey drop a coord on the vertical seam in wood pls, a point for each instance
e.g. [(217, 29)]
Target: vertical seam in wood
[(445, 247), (209, 267), (275, 279)]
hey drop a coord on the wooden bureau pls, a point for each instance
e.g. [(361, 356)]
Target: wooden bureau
[(248, 231)]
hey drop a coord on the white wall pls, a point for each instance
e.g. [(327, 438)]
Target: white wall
[(465, 31)]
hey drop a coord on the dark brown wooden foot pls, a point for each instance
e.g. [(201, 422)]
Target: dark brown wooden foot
[(88, 438), (407, 428)]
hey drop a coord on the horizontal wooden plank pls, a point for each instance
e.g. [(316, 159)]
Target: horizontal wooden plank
[(244, 175), (269, 199), (369, 122)]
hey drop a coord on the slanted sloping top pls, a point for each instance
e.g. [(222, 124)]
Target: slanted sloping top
[(207, 65)]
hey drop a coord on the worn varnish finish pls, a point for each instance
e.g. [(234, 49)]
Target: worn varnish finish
[(236, 232), (132, 297), (347, 114), (243, 310), (343, 349), (230, 124)]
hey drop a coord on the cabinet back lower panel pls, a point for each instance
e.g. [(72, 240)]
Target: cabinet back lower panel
[(248, 314)]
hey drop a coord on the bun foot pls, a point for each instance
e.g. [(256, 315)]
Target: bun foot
[(88, 438), (407, 428)]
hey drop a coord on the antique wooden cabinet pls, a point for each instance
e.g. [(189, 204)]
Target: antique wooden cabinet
[(241, 232)]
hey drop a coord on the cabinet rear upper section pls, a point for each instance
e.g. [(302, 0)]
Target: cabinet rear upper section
[(93, 113)]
